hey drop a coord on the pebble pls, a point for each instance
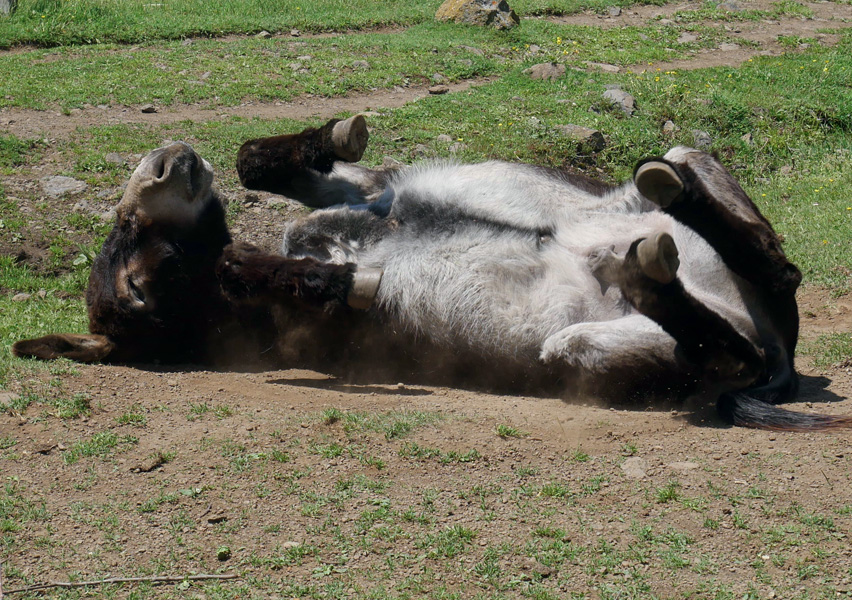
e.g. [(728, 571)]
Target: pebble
[(438, 89), (148, 109)]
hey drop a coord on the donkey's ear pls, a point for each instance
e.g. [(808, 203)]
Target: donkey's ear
[(82, 348)]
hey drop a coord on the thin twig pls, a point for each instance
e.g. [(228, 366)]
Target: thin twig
[(155, 579)]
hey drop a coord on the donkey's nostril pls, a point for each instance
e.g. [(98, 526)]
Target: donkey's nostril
[(160, 168)]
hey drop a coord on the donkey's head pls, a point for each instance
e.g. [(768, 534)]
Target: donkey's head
[(153, 292)]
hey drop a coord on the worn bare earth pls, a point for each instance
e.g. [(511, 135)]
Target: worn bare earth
[(311, 506)]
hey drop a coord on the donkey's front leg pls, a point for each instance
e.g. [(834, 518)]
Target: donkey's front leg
[(647, 277), (247, 274)]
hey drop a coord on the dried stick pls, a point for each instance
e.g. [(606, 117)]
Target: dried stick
[(154, 579)]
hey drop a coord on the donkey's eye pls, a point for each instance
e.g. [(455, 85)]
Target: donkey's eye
[(135, 291)]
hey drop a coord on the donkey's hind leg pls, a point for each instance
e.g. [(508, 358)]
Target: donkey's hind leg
[(314, 166), (694, 188)]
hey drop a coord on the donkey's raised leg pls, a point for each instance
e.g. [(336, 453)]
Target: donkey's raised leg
[(313, 166), (694, 188)]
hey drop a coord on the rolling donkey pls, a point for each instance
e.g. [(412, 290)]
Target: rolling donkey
[(509, 275)]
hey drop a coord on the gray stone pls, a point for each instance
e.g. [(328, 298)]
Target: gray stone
[(438, 78), (687, 38), (22, 297), (669, 128), (602, 67), (702, 139), (115, 158), (622, 100), (473, 50), (634, 467), (614, 11), (534, 49), (548, 71), (437, 90), (295, 33), (361, 64), (148, 109), (730, 6), (591, 138), (57, 186), (7, 7), (263, 35), (484, 13), (444, 138)]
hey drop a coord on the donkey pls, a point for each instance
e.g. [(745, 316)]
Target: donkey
[(669, 286)]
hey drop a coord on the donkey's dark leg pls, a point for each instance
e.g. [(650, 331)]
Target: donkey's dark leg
[(302, 165), (647, 277), (247, 274), (694, 188)]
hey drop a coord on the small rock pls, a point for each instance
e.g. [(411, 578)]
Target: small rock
[(622, 100), (8, 397), (534, 49), (546, 71), (361, 64), (669, 128), (687, 38), (276, 203), (289, 545), (437, 90), (57, 186), (473, 50), (148, 109), (444, 138), (702, 139), (172, 382), (115, 158), (295, 33), (634, 467), (748, 139), (263, 35), (22, 297), (295, 66), (602, 66), (614, 11), (148, 464), (592, 138), (485, 13), (44, 447), (438, 78), (729, 5)]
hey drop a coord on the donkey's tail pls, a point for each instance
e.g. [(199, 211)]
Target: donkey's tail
[(739, 408)]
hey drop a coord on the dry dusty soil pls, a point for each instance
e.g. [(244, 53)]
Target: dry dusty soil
[(409, 490)]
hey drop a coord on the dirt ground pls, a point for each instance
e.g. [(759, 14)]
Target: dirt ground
[(248, 460)]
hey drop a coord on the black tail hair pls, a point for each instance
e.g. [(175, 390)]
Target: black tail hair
[(738, 408)]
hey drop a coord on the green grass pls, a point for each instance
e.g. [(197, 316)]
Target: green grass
[(100, 445)]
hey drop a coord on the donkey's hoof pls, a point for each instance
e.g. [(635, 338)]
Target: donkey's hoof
[(350, 138), (658, 257), (658, 182)]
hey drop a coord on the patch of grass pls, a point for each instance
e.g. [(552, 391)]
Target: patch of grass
[(830, 350), (507, 431), (668, 493), (393, 424), (448, 543), (133, 417), (99, 445)]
